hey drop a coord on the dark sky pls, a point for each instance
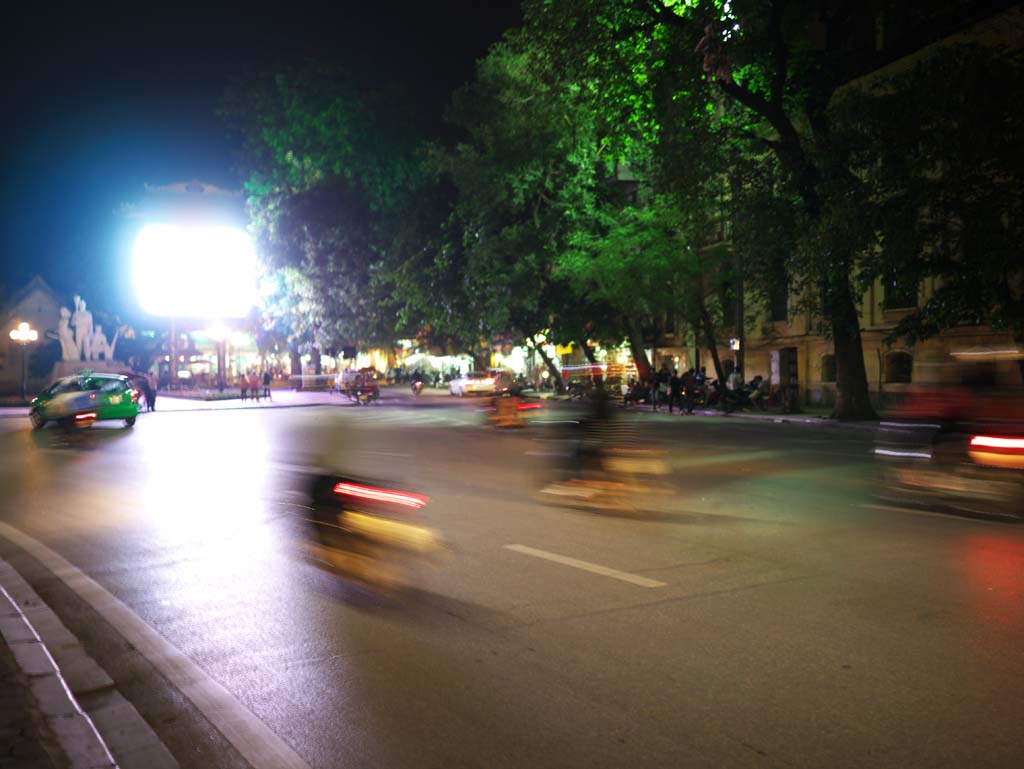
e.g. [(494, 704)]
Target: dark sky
[(99, 99)]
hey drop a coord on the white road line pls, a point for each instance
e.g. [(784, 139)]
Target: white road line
[(251, 737), (565, 560)]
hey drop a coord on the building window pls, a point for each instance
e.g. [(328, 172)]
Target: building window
[(828, 368), (899, 367), (778, 302), (778, 292), (899, 293)]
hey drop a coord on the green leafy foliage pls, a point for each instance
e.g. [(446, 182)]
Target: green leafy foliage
[(326, 162)]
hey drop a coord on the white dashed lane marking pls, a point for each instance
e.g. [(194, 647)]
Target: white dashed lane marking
[(594, 568)]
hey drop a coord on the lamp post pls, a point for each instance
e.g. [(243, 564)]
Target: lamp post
[(23, 334), (219, 334)]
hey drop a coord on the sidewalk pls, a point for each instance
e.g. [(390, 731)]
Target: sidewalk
[(58, 708), (41, 722), (808, 415), (21, 744)]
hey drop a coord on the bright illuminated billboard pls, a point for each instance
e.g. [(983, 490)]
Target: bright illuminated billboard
[(194, 272)]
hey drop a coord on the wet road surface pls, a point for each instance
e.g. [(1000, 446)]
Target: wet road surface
[(772, 615)]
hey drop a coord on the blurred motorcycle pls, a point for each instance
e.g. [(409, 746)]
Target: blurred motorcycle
[(368, 532), (417, 386), (602, 467)]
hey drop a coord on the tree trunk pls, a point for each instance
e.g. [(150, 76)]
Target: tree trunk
[(636, 347), (853, 401), (1018, 339), (710, 341), (296, 365), (588, 352), (314, 354), (556, 375), (741, 325), (481, 360)]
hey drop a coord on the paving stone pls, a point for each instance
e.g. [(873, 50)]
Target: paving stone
[(21, 744)]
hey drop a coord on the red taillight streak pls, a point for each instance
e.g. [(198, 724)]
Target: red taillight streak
[(401, 498), (87, 415), (135, 396), (994, 442), (525, 406)]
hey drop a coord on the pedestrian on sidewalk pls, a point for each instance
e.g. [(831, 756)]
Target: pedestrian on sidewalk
[(151, 392), (142, 382), (675, 389), (660, 388), (254, 386), (689, 387), (266, 385), (243, 386)]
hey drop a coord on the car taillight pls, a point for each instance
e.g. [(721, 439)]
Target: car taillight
[(998, 443), (135, 396), (85, 416), (374, 494), (526, 406)]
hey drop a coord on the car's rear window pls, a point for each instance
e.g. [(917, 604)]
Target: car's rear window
[(65, 386)]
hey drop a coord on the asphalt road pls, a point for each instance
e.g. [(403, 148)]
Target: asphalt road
[(772, 614)]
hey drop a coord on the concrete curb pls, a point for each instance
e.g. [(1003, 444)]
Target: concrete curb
[(75, 733), (91, 721), (792, 419)]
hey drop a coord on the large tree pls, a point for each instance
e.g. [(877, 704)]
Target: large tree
[(524, 170), (773, 67), (326, 161)]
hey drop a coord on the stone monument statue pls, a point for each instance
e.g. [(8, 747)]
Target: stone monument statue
[(68, 349), (113, 342), (99, 345), (88, 347), (82, 321)]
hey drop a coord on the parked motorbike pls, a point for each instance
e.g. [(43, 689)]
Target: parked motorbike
[(417, 386)]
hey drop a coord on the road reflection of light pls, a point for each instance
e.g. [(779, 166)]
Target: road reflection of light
[(209, 487), (994, 567)]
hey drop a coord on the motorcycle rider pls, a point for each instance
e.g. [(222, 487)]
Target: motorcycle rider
[(417, 382)]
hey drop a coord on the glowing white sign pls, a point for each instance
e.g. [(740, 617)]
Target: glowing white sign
[(194, 272)]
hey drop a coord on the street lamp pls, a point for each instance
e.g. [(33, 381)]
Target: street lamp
[(23, 334)]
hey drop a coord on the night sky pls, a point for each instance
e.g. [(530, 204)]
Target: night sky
[(99, 100)]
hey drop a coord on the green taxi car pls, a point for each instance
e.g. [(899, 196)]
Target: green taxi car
[(85, 398)]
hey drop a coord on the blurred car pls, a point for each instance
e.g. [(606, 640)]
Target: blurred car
[(473, 383), (86, 398)]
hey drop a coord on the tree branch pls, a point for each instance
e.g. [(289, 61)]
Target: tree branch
[(780, 55), (775, 115)]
